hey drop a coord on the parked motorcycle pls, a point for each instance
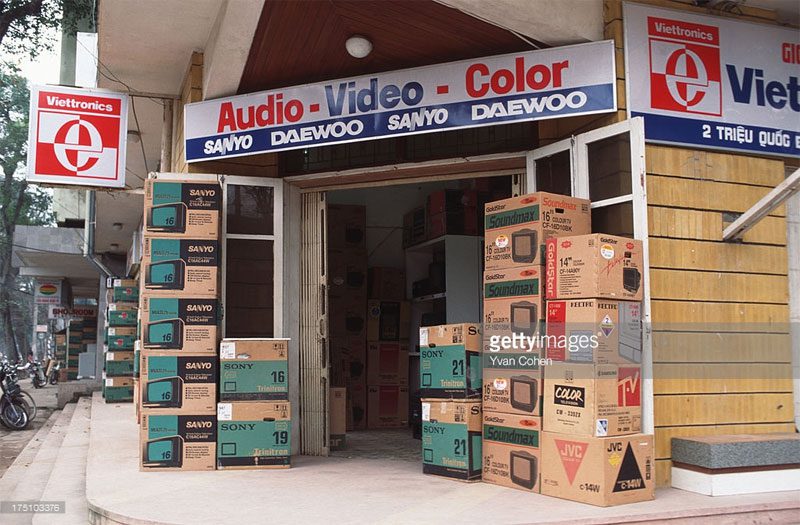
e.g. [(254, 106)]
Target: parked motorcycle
[(35, 372), (13, 406), (52, 371)]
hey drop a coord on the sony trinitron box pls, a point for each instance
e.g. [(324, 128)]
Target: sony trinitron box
[(451, 438), (180, 267), (180, 325), (599, 471), (517, 228), (254, 435), (186, 383), (511, 453), (253, 369), (450, 361), (513, 303), (178, 442), (182, 208), (596, 265)]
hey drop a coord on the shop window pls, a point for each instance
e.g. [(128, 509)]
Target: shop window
[(250, 210)]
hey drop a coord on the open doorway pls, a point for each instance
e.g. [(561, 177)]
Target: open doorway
[(399, 257)]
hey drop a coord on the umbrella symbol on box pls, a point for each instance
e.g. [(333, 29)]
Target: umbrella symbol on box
[(607, 326)]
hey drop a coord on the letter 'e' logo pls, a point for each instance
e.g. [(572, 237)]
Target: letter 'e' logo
[(685, 72)]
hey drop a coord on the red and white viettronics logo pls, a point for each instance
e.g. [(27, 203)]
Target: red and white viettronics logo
[(685, 72)]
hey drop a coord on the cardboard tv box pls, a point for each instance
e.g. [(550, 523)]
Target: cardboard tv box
[(338, 418), (356, 406), (348, 318), (513, 382), (386, 283), (179, 324), (348, 357), (178, 442), (592, 400), (180, 267), (451, 438), (511, 455), (116, 389), (450, 361), (517, 228), (387, 406), (119, 364), (347, 275), (513, 302), (594, 331), (254, 369), (124, 291), (387, 363), (254, 435), (598, 471), (388, 320), (120, 337), (347, 227), (182, 208), (179, 384), (596, 265), (120, 314)]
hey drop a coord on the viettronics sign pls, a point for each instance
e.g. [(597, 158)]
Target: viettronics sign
[(565, 81), (77, 137), (713, 82)]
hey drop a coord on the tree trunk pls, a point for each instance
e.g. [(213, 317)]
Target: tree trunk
[(6, 322)]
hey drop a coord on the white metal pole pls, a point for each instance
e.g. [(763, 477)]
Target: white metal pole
[(793, 249)]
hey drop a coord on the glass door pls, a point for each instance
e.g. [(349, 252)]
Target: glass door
[(252, 225)]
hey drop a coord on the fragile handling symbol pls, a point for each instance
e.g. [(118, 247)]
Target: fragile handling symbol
[(78, 145)]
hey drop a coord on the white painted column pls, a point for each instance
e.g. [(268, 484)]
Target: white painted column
[(793, 249)]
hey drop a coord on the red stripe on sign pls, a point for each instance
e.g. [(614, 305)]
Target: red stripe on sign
[(551, 278), (556, 326), (441, 90), (313, 108)]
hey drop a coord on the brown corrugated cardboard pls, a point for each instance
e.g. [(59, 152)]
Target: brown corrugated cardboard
[(599, 471), (254, 369), (348, 359), (596, 265), (513, 302), (387, 363), (180, 267), (254, 435), (517, 228), (451, 438), (347, 228), (185, 384), (513, 383), (387, 283), (182, 208), (450, 361), (338, 418), (388, 320), (179, 324), (592, 400), (510, 450), (348, 318), (356, 406), (387, 406), (594, 331), (178, 442), (347, 276)]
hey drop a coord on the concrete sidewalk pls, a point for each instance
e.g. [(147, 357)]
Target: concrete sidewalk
[(356, 490), (12, 442)]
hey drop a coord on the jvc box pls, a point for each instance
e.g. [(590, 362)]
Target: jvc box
[(451, 438), (182, 208), (599, 471), (178, 441), (254, 435), (180, 267), (511, 455), (593, 400), (179, 384), (387, 363), (513, 302), (596, 265), (254, 369), (517, 228), (387, 406), (450, 361), (180, 325), (512, 382), (594, 331)]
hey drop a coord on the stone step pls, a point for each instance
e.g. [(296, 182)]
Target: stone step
[(33, 482), (19, 467), (68, 478)]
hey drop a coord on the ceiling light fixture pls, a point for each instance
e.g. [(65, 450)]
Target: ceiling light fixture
[(358, 46)]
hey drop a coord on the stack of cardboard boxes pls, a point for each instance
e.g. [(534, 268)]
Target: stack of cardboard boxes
[(513, 312), (388, 322), (254, 416), (347, 323), (592, 447), (122, 296), (178, 317), (450, 379)]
